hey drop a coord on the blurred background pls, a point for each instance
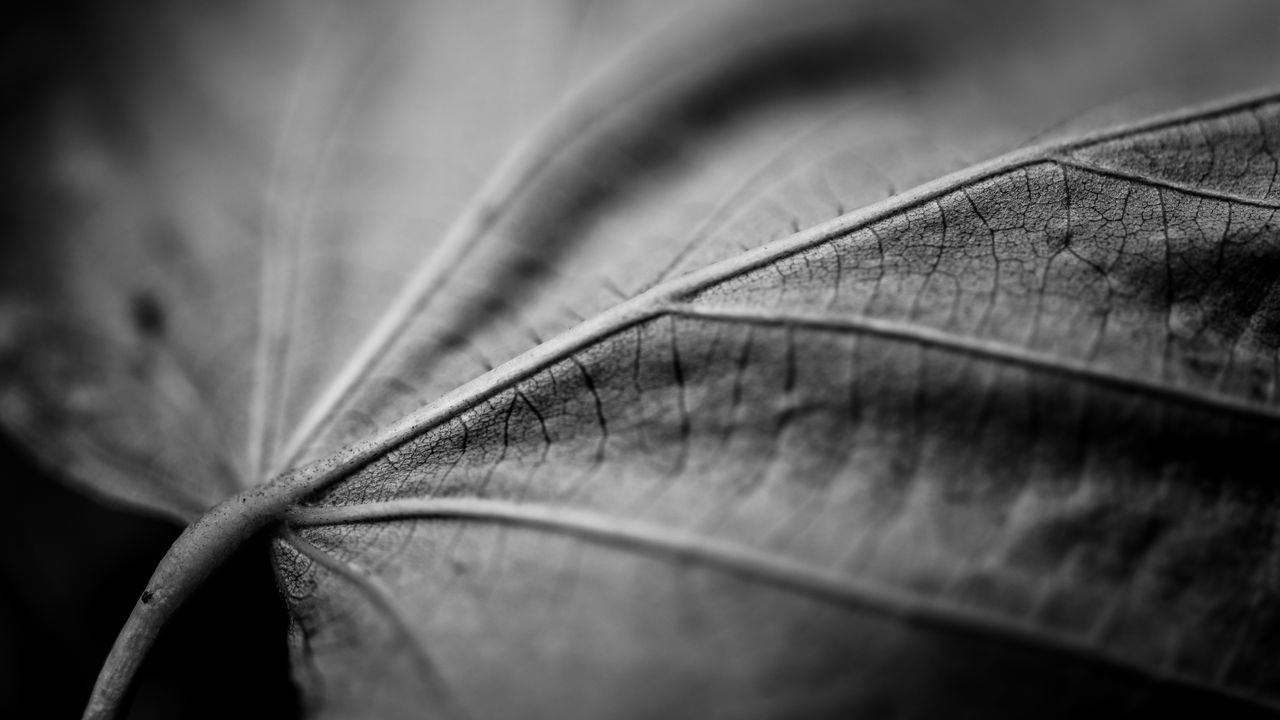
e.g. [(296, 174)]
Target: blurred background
[(71, 567), (70, 572)]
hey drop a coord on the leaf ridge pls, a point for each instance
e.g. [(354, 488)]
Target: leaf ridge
[(381, 598), (282, 379), (1144, 179), (993, 350), (279, 277), (658, 300), (773, 569), (579, 108)]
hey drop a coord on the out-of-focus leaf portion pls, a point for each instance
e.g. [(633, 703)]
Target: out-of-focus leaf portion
[(213, 204)]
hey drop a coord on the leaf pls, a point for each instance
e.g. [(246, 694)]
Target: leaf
[(1007, 429), (993, 443)]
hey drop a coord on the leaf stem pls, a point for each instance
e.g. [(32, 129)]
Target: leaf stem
[(204, 546)]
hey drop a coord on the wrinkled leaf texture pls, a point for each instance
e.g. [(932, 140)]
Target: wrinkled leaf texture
[(826, 444)]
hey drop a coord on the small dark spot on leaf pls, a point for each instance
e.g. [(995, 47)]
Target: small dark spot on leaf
[(148, 316)]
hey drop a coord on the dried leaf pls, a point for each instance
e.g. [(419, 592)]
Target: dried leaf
[(994, 443)]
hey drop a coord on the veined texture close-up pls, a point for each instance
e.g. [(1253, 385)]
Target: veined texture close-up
[(636, 358)]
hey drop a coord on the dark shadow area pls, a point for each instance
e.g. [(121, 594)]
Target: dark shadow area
[(71, 570)]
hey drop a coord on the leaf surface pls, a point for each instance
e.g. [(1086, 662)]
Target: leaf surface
[(225, 200), (825, 445), (1008, 429)]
